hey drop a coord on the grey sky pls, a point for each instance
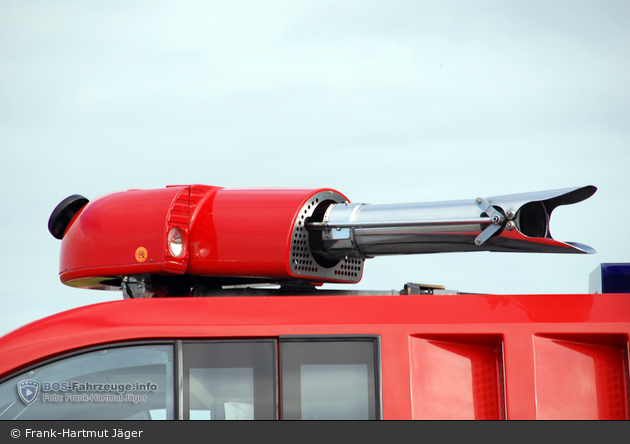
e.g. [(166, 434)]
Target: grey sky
[(397, 101)]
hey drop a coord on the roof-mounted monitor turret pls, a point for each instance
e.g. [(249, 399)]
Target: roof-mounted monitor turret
[(169, 241)]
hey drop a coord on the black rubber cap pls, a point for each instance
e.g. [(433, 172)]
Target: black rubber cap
[(63, 214)]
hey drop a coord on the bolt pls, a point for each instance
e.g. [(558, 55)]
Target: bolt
[(477, 242), (478, 201), (496, 220), (510, 225), (510, 214)]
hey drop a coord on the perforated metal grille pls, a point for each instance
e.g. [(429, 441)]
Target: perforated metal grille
[(350, 268), (302, 261)]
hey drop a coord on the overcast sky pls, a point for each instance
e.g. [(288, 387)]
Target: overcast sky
[(385, 101)]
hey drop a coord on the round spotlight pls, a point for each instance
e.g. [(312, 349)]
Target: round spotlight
[(176, 242)]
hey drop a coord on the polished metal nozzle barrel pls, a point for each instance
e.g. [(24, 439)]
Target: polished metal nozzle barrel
[(513, 223)]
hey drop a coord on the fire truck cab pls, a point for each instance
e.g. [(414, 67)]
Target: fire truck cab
[(224, 316)]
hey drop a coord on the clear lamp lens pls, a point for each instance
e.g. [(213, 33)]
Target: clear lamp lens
[(176, 242)]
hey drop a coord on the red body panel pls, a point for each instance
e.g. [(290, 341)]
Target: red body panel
[(245, 232), (561, 356)]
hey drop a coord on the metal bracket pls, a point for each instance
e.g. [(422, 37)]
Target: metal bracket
[(415, 288), (497, 220), (133, 287)]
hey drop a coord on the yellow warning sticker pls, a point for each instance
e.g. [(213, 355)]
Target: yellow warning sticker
[(141, 254)]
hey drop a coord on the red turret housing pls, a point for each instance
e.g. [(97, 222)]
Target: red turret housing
[(232, 235)]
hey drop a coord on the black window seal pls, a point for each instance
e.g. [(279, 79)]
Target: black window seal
[(178, 384)]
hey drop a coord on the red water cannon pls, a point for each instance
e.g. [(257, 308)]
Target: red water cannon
[(169, 241)]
